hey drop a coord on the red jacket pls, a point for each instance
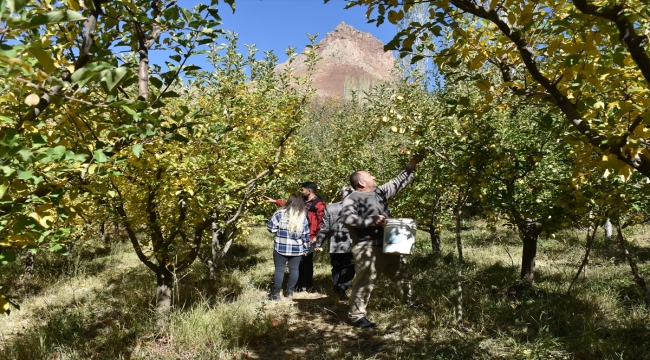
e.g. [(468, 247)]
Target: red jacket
[(315, 212)]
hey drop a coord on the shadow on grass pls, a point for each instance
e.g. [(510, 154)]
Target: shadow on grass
[(81, 329), (609, 249), (48, 266), (321, 330)]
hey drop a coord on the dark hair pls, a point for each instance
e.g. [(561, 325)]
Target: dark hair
[(310, 185), (295, 203), (354, 179)]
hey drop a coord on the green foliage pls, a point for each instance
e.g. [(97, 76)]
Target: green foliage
[(72, 105), (587, 60)]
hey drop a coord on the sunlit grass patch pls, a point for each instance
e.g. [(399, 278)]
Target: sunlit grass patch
[(99, 306)]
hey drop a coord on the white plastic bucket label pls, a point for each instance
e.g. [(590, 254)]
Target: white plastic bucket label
[(399, 236)]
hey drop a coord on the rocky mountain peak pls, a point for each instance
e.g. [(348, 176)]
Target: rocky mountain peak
[(350, 59)]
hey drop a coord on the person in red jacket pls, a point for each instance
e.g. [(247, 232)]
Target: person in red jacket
[(315, 207)]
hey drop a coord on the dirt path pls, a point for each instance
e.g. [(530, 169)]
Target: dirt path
[(315, 326)]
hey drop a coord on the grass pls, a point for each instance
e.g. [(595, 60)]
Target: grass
[(96, 303)]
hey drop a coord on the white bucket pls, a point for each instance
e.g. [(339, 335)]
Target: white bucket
[(399, 236)]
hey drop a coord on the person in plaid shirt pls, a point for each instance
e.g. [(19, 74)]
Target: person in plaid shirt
[(291, 243)]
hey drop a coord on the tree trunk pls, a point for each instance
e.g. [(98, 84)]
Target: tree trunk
[(459, 279), (608, 229), (435, 239), (585, 259), (638, 278), (29, 264), (164, 286), (116, 232), (530, 233), (103, 237), (215, 248), (221, 242)]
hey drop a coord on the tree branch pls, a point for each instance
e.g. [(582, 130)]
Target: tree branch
[(84, 57), (627, 32), (639, 162), (119, 208)]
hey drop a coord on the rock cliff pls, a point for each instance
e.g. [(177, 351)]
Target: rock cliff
[(349, 59)]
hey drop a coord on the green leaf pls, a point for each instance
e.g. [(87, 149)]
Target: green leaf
[(59, 249), (139, 105), (416, 58), (9, 51), (155, 82), (56, 195), (55, 17), (6, 120), (129, 111), (547, 121), (170, 94), (137, 150), (232, 4), (172, 13), (192, 68), (100, 157), (215, 13), (15, 6), (186, 14), (70, 156), (112, 78), (25, 175), (572, 60), (26, 154), (7, 257), (39, 139), (83, 74), (44, 59), (57, 152), (178, 137)]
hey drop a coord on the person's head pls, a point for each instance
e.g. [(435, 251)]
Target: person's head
[(308, 190), (345, 191), (295, 204), (363, 181), (295, 214)]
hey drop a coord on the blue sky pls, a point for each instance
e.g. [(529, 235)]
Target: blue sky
[(276, 24)]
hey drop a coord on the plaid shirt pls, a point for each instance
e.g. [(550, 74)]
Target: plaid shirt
[(288, 243)]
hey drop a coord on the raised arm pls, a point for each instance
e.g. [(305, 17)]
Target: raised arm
[(274, 201), (396, 185)]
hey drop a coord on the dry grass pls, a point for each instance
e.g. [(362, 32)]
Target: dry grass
[(96, 304)]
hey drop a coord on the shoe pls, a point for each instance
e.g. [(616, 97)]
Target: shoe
[(364, 323), (288, 292), (275, 295)]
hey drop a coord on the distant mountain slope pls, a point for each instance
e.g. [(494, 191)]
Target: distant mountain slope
[(349, 59)]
